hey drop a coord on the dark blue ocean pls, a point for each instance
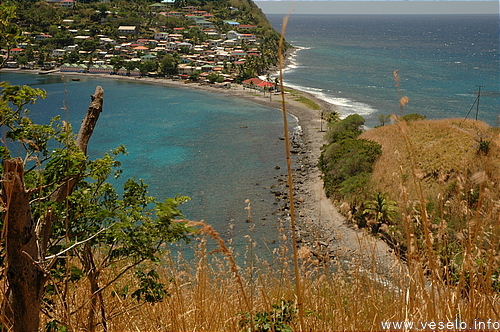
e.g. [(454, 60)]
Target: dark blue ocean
[(349, 60)]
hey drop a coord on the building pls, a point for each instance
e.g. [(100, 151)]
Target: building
[(63, 3), (67, 3), (58, 52), (127, 30)]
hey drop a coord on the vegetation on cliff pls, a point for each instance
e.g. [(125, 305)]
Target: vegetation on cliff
[(453, 166), (424, 186)]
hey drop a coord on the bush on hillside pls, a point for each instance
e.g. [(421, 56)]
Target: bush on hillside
[(346, 161), (350, 127), (413, 117)]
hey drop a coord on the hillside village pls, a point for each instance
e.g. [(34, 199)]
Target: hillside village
[(214, 41)]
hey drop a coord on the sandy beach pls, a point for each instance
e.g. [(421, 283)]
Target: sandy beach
[(321, 227)]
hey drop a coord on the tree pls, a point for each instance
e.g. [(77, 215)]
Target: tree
[(71, 57), (90, 45), (40, 15), (62, 39), (381, 208), (169, 65), (346, 161), (413, 117), (350, 127), (195, 76), (332, 117), (58, 206), (117, 62), (214, 77), (130, 65), (9, 31), (147, 67), (384, 119), (329, 117)]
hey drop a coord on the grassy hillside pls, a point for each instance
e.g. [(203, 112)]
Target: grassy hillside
[(444, 177), (444, 151)]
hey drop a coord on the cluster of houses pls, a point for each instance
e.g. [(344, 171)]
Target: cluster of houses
[(214, 55)]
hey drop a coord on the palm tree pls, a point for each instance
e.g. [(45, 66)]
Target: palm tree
[(332, 116), (382, 209)]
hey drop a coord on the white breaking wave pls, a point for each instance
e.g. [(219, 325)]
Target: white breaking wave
[(292, 62), (344, 106), (292, 59)]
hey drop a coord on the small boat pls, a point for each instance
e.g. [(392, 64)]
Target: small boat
[(75, 79), (46, 72)]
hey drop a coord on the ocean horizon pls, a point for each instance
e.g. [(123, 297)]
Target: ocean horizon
[(349, 61)]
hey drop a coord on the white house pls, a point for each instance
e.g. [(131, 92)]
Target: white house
[(67, 3), (163, 36), (58, 52), (71, 48), (127, 30), (232, 34)]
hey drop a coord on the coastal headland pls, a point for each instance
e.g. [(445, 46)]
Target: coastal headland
[(322, 229)]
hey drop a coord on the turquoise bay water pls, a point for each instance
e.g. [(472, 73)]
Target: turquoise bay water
[(218, 150), (349, 60)]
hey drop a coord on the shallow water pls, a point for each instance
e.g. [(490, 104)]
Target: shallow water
[(216, 149)]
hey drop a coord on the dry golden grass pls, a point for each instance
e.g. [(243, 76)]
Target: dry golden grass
[(206, 296), (444, 149)]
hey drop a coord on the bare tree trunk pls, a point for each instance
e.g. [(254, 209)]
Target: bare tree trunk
[(25, 280), (82, 140), (96, 302)]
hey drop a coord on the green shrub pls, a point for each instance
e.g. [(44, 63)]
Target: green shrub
[(413, 117), (346, 165), (277, 320), (350, 127)]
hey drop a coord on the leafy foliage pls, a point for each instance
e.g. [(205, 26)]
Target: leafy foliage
[(275, 320), (94, 225), (413, 117), (10, 33), (347, 164), (381, 209), (347, 161), (150, 289), (350, 127)]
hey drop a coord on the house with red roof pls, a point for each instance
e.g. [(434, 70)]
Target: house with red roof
[(15, 51), (246, 26), (251, 81)]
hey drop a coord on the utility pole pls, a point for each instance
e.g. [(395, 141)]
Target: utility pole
[(476, 102), (478, 97)]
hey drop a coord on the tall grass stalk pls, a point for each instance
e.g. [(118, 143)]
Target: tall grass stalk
[(210, 231), (298, 286), (423, 213)]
